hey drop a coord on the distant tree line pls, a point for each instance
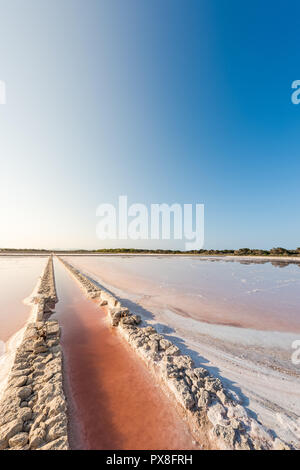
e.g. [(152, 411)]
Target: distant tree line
[(278, 251)]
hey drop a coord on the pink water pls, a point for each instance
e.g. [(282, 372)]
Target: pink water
[(18, 277), (113, 402), (258, 295)]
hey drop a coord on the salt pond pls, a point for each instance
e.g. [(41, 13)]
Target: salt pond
[(237, 318), (18, 277)]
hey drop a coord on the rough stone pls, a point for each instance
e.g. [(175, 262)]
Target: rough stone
[(153, 345), (25, 392), (19, 381), (10, 429), (182, 362), (55, 406), (36, 438), (59, 444), (212, 384), (227, 434), (22, 372), (149, 330), (25, 413), (217, 414), (173, 350), (222, 396), (164, 344), (200, 372), (57, 428), (19, 440), (203, 398)]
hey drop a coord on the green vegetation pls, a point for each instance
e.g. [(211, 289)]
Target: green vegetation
[(278, 251)]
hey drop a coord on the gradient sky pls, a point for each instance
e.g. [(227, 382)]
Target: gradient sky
[(163, 101)]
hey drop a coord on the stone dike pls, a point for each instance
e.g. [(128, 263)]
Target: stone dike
[(215, 418), (33, 405)]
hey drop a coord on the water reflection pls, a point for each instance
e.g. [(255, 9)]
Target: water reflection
[(275, 263), (249, 293)]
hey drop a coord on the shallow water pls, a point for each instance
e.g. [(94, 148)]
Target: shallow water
[(18, 277), (113, 402), (195, 303), (259, 295)]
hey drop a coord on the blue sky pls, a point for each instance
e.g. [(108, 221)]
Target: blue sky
[(164, 101)]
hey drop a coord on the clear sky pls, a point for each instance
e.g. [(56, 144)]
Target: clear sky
[(163, 101)]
